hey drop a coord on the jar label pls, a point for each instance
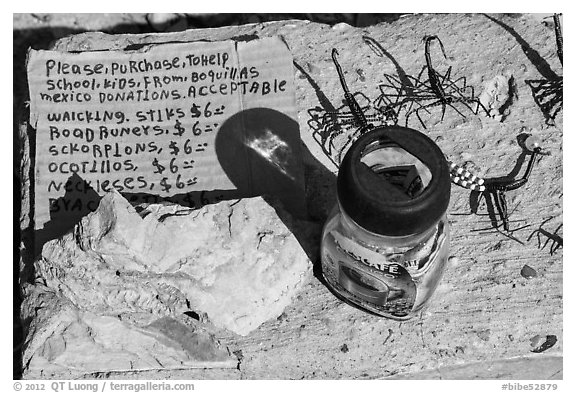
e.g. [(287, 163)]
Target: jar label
[(392, 292), (373, 279), (359, 253), (416, 260)]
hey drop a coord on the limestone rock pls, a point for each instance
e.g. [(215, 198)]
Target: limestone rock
[(66, 341), (486, 290), (235, 261), (498, 94)]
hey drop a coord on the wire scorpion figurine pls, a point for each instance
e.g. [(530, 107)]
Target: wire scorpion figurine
[(335, 124), (357, 116), (438, 90), (557, 240), (499, 187), (547, 93)]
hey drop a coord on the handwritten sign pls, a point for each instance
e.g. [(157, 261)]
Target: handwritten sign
[(164, 120)]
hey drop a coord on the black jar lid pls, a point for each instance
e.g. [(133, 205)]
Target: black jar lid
[(379, 206)]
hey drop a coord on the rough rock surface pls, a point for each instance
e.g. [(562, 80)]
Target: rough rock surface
[(110, 289), (484, 314), (235, 261), (67, 341), (497, 94)]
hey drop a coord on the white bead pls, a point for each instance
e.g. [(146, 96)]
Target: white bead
[(533, 142)]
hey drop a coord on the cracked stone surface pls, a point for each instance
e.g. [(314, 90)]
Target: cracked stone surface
[(484, 313)]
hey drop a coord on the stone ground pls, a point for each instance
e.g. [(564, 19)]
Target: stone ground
[(488, 317)]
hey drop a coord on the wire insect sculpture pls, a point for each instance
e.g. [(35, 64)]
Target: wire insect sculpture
[(554, 237), (495, 190), (458, 174), (391, 103), (436, 90), (547, 93), (331, 127), (336, 130)]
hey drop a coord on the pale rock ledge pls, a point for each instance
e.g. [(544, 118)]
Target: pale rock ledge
[(235, 262)]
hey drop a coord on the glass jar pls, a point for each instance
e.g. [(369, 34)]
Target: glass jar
[(386, 242)]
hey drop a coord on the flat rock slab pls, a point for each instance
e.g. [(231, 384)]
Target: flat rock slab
[(121, 277), (484, 312), (66, 342)]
